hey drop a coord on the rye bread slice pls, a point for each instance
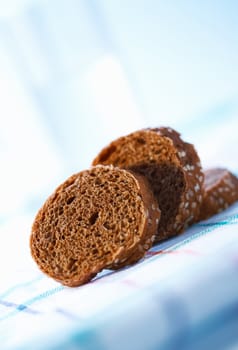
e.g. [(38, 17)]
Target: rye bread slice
[(220, 191), (171, 166), (95, 219)]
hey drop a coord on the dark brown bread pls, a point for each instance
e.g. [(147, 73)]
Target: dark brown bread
[(220, 191), (96, 219), (172, 168)]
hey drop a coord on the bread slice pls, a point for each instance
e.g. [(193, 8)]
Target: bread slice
[(220, 191), (171, 166), (95, 219)]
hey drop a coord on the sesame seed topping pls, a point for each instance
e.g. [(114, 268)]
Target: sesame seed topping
[(194, 204), (186, 205), (226, 189), (153, 207), (196, 188), (182, 154)]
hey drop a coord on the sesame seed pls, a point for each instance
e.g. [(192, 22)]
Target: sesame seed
[(153, 207), (194, 204), (200, 198), (186, 205), (196, 187), (200, 178), (157, 221), (182, 154), (150, 221)]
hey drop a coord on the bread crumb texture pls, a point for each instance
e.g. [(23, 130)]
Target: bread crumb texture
[(96, 218)]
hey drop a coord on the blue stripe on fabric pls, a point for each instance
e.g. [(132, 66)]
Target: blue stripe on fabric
[(18, 307), (33, 300), (233, 219), (221, 223)]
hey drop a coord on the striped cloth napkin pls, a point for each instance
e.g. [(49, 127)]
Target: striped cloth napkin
[(182, 295)]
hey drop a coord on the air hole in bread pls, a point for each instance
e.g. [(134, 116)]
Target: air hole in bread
[(93, 218)]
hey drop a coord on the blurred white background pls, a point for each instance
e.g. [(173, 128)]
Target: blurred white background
[(74, 74)]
